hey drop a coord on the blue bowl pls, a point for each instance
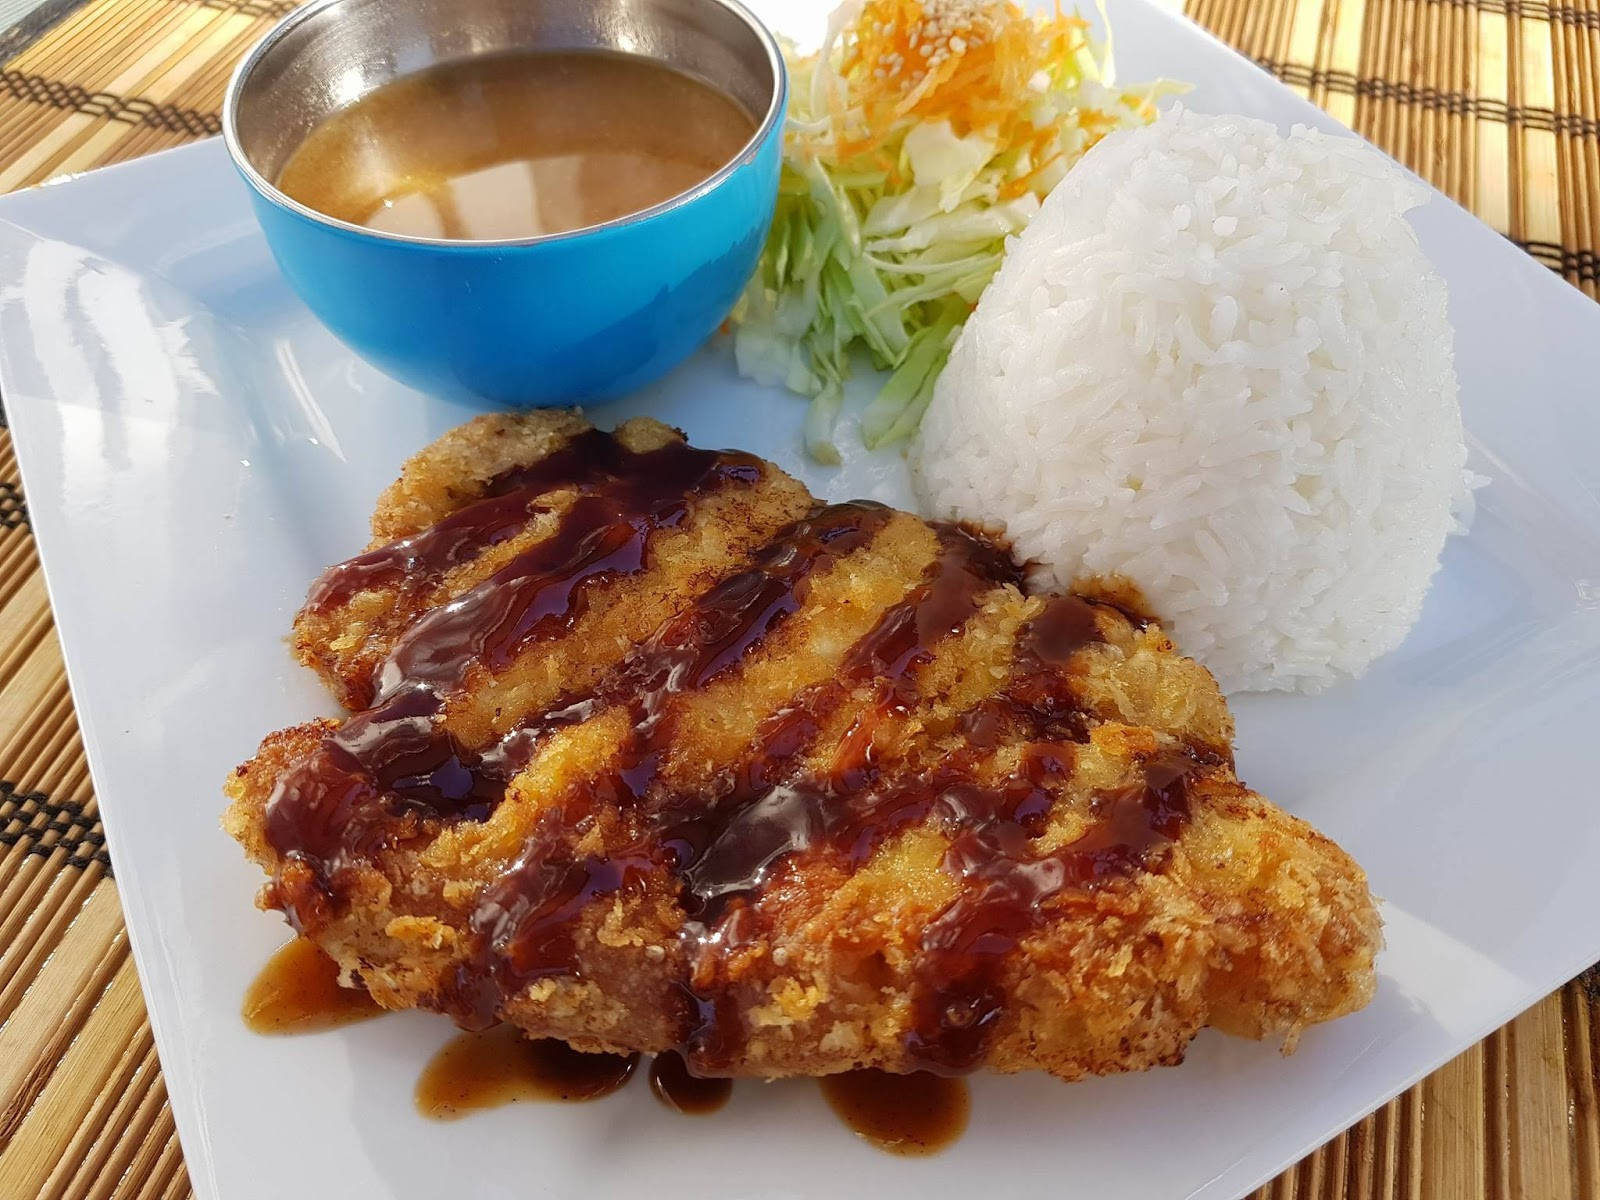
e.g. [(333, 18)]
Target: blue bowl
[(559, 319)]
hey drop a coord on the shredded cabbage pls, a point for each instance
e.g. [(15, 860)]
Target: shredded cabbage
[(920, 137)]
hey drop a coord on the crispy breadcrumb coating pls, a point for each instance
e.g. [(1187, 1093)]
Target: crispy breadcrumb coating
[(1010, 837)]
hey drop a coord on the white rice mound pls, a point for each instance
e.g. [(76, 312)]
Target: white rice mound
[(1216, 364)]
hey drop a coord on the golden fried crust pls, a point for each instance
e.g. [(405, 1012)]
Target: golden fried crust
[(1237, 916), (345, 642)]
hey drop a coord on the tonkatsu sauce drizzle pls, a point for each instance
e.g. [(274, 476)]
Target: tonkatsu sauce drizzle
[(298, 991), (525, 921), (499, 1066), (393, 773), (388, 773), (587, 458), (674, 1085), (910, 1115), (961, 986)]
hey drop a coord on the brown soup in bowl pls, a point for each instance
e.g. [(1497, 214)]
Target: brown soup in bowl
[(516, 145)]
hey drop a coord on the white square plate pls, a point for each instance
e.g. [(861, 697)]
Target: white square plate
[(196, 447)]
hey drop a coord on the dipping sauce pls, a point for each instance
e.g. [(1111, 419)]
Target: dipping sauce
[(298, 992), (516, 145), (500, 1066)]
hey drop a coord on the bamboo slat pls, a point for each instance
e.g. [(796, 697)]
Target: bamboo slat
[(1496, 101)]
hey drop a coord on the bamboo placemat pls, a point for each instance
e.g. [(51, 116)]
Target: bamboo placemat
[(1496, 101)]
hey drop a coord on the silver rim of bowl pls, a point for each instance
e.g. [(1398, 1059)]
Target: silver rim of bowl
[(270, 190)]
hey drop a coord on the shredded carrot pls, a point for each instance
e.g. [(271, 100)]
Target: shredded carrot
[(921, 136), (968, 62)]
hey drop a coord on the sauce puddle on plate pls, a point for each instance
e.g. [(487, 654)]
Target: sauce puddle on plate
[(298, 992), (910, 1115), (500, 1066), (682, 1092), (516, 145)]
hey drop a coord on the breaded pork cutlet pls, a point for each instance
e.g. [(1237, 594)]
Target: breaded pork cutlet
[(653, 751)]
